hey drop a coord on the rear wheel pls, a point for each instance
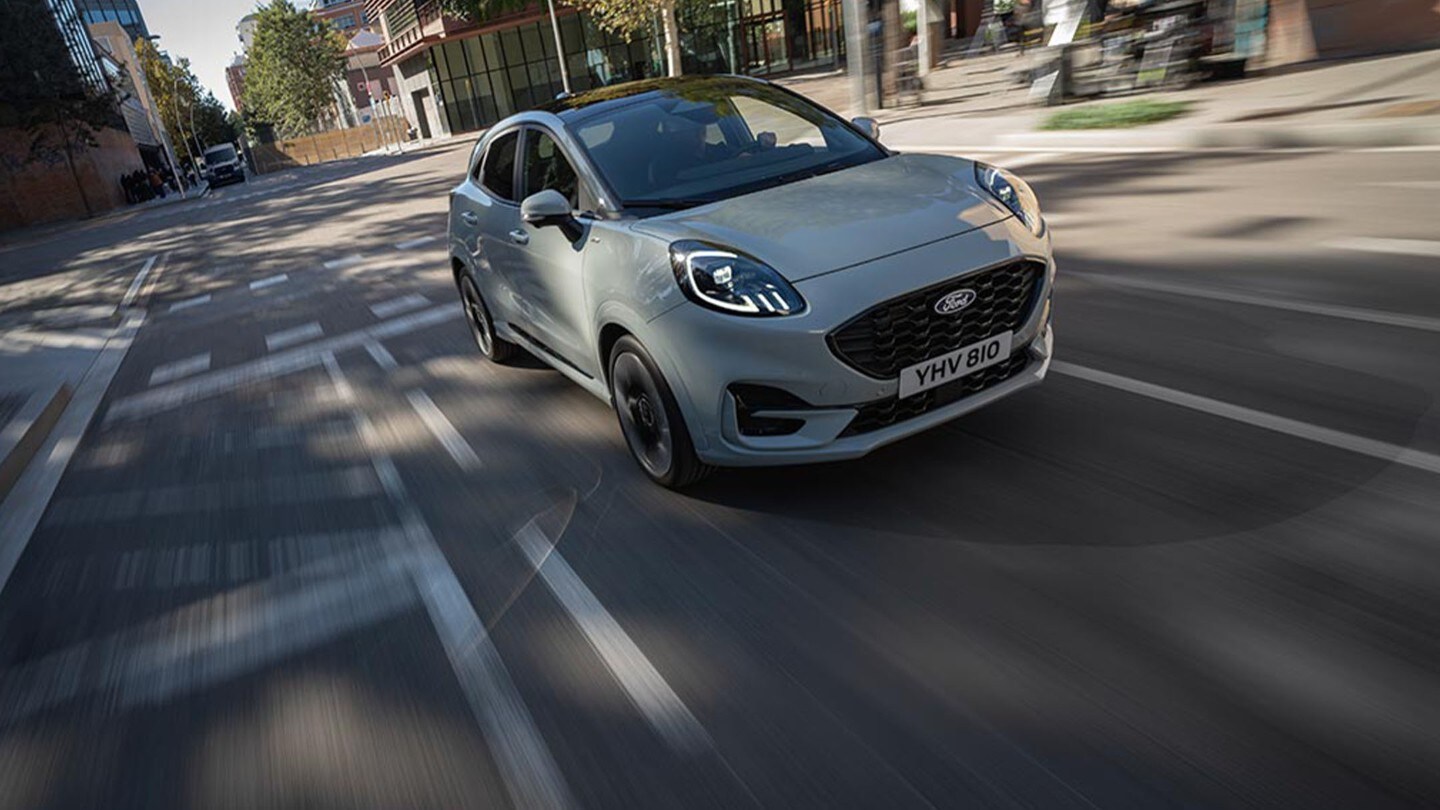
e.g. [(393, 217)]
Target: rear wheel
[(482, 327), (650, 418)]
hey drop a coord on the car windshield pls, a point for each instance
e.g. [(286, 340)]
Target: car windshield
[(700, 142), (220, 154)]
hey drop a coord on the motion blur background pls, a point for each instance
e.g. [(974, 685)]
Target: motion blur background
[(274, 535)]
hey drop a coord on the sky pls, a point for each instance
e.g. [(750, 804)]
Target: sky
[(202, 31)]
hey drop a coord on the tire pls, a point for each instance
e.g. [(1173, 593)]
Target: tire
[(654, 431), (482, 326)]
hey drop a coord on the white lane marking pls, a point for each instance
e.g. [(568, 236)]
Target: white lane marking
[(216, 639), (348, 261), (395, 306), (298, 359), (180, 368), (167, 567), (1328, 310), (1384, 451), (1382, 149), (289, 337), (645, 686), (414, 243), (1001, 149), (381, 355), (261, 492), (188, 303), (1427, 185), (529, 771), (1399, 247), (444, 430), (269, 282), (139, 280), (21, 511)]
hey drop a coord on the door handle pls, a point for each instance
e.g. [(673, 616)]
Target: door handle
[(519, 237), (470, 218)]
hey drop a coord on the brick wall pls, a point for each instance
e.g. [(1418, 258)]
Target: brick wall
[(46, 191), (1301, 30)]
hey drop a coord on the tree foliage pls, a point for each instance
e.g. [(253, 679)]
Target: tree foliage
[(294, 64), (191, 115), (42, 92)]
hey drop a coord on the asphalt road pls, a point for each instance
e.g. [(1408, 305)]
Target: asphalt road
[(314, 552)]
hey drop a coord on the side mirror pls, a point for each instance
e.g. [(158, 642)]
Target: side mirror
[(548, 207), (869, 126)]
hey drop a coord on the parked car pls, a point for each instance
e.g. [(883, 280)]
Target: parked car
[(745, 277), (223, 165)]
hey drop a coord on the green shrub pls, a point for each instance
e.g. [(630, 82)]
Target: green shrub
[(1112, 116)]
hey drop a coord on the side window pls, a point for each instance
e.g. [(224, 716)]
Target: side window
[(497, 174), (546, 167)]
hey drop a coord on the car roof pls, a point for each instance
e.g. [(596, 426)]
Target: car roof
[(589, 102)]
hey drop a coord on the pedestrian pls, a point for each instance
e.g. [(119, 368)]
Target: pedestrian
[(157, 184)]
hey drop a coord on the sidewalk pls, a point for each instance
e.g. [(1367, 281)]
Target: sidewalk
[(1375, 102), (21, 236)]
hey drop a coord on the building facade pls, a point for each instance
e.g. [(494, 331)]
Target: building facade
[(371, 86), (457, 76), (125, 12), (45, 175), (346, 16), (235, 80)]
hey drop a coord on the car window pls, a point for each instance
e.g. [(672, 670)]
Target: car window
[(787, 127), (546, 167), (694, 143), (498, 172)]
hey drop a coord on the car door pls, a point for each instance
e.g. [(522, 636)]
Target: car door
[(486, 211), (551, 257)]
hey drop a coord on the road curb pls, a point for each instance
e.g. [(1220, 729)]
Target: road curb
[(31, 427), (30, 496), (1365, 134)]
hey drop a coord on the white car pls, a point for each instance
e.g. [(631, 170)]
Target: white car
[(745, 277)]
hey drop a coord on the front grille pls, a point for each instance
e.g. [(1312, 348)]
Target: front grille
[(886, 412), (903, 331)]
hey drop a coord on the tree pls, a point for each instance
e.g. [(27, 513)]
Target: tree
[(624, 18), (43, 93), (193, 118), (295, 62)]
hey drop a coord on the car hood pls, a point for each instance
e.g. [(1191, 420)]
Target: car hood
[(844, 218)]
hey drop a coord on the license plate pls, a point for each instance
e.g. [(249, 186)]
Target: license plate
[(952, 366)]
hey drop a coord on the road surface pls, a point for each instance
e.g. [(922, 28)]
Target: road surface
[(314, 552)]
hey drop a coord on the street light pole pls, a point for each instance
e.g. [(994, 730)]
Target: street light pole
[(559, 47), (855, 36), (374, 114), (175, 102)]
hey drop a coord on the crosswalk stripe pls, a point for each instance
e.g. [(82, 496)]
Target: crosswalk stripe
[(170, 372)]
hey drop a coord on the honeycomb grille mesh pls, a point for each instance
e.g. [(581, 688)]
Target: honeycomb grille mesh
[(903, 331)]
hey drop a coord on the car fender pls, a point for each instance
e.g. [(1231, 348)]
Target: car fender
[(616, 313)]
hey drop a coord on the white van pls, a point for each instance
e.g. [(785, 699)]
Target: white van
[(223, 165)]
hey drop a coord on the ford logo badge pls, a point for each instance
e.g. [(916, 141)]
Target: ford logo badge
[(953, 302)]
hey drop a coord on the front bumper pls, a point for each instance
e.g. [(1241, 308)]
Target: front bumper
[(792, 354)]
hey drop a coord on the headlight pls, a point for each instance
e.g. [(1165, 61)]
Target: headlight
[(730, 281), (1013, 193)]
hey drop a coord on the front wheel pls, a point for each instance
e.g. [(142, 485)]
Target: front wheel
[(650, 418), (482, 327)]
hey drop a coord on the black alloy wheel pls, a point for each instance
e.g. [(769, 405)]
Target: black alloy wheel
[(650, 419), (482, 328)]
